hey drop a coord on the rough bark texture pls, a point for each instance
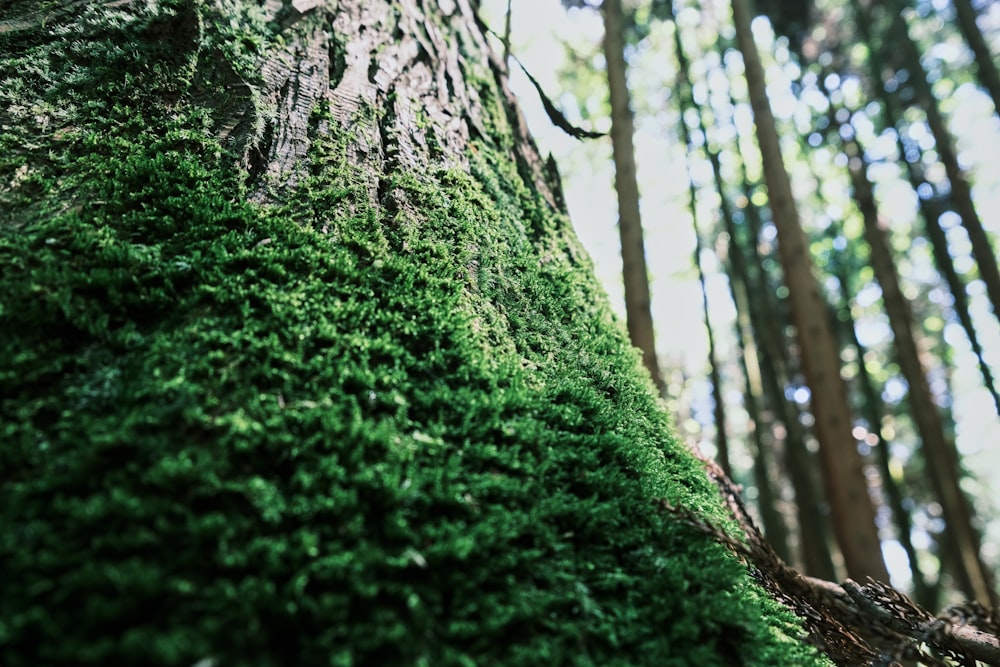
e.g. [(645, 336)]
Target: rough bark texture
[(634, 272), (846, 488), (861, 624), (301, 365)]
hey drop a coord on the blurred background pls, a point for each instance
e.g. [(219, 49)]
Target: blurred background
[(889, 131)]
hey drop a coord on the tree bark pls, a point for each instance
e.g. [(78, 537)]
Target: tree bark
[(852, 511), (303, 365), (634, 272)]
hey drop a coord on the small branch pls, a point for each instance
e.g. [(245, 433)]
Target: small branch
[(557, 117)]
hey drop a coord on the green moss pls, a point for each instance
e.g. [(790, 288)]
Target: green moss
[(320, 433)]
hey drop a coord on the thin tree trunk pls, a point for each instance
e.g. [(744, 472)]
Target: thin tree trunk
[(715, 377), (929, 207), (775, 527), (973, 577), (761, 316), (961, 193), (638, 315), (851, 505), (872, 404), (939, 453), (985, 62), (872, 410), (763, 378)]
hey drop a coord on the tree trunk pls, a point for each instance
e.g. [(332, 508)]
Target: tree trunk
[(634, 273), (813, 543), (775, 527), (986, 67), (758, 321), (930, 208), (872, 410), (938, 451), (302, 365), (715, 376), (844, 480), (961, 193), (769, 321)]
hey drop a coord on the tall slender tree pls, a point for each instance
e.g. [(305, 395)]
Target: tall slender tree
[(762, 443), (851, 505), (715, 376), (873, 409), (759, 319), (938, 451), (635, 274), (967, 17), (714, 373), (898, 32), (930, 206), (901, 321)]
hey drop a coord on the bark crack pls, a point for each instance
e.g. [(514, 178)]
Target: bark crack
[(295, 79)]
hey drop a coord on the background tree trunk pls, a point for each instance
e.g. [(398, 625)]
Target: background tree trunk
[(961, 192), (714, 372), (966, 17), (930, 208), (634, 271), (926, 413), (937, 449), (872, 410), (851, 506)]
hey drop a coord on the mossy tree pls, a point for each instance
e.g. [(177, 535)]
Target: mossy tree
[(301, 362)]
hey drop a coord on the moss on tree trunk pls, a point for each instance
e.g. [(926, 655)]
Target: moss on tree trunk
[(300, 363)]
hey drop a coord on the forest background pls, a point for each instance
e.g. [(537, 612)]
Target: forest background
[(561, 48)]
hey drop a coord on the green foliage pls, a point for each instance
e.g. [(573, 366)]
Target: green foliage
[(324, 433)]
